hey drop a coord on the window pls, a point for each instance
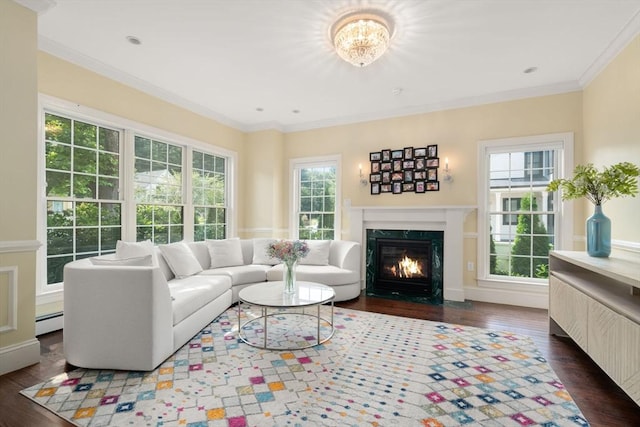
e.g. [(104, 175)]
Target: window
[(83, 207), (520, 219), (108, 179), (316, 198), (158, 191), (209, 196)]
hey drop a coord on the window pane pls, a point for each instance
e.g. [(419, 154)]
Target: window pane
[(109, 164), (84, 134), (57, 128), (159, 151), (55, 268), (59, 241), (58, 156), (87, 214), (109, 140), (108, 188), (59, 213), (142, 147), (58, 184), (109, 237), (84, 160), (84, 186), (87, 240)]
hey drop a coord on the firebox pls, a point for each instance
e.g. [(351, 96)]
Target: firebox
[(405, 264)]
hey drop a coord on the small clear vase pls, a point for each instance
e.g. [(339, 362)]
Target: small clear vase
[(289, 277)]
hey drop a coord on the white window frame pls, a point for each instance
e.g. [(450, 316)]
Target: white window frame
[(46, 294), (563, 212), (295, 165)]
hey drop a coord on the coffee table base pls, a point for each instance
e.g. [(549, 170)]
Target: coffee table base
[(281, 312)]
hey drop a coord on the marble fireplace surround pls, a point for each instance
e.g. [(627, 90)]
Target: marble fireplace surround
[(449, 219)]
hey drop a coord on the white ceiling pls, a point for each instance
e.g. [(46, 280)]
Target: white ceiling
[(227, 58)]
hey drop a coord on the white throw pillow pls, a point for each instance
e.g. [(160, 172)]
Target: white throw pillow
[(181, 260), (126, 250), (141, 261), (225, 253), (260, 255), (318, 253)]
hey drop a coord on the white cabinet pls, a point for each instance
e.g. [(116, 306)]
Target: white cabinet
[(596, 302)]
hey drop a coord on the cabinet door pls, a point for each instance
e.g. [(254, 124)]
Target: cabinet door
[(614, 344), (568, 308)]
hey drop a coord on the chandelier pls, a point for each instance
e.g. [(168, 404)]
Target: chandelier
[(361, 38)]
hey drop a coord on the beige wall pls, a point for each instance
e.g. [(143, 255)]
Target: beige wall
[(18, 186), (612, 133)]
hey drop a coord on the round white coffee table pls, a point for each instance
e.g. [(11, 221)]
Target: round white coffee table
[(270, 295)]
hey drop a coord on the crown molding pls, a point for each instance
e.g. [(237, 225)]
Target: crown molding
[(38, 6), (511, 95), (622, 39)]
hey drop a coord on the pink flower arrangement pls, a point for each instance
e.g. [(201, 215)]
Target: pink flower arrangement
[(288, 251)]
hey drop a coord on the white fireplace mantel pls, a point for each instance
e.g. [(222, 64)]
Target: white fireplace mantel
[(449, 219)]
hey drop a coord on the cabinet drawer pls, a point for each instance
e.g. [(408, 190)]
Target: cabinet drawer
[(569, 309)]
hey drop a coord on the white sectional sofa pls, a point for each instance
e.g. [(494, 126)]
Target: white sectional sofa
[(129, 311)]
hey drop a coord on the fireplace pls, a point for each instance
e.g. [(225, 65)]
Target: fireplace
[(405, 264)]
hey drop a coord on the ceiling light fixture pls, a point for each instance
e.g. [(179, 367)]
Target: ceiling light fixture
[(362, 37)]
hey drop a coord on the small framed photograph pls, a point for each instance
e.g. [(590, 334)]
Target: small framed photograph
[(397, 165), (397, 154), (375, 167), (420, 175), (386, 177), (432, 151), (420, 163), (408, 164), (375, 177), (396, 188), (420, 152), (375, 188), (420, 187), (408, 186), (433, 186), (386, 155), (385, 188), (375, 157), (433, 163), (408, 153), (432, 174), (408, 176), (385, 166), (397, 176)]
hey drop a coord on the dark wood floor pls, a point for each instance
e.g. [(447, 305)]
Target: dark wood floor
[(601, 401)]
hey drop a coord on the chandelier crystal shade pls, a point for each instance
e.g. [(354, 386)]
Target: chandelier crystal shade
[(361, 39)]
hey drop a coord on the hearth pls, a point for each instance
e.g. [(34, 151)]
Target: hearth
[(405, 264)]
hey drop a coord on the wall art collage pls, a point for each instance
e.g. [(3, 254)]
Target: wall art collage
[(407, 170)]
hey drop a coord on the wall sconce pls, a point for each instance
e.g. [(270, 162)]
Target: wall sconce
[(447, 171), (363, 180)]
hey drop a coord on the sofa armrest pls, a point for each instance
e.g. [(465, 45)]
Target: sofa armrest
[(345, 254), (116, 317)]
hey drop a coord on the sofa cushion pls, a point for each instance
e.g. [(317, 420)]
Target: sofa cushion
[(201, 251), (329, 275), (241, 275), (140, 261), (194, 292), (225, 253), (135, 249), (318, 253), (260, 255), (182, 261)]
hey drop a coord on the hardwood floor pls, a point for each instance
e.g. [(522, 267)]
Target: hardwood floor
[(601, 401)]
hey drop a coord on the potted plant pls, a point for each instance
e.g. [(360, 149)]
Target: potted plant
[(619, 180)]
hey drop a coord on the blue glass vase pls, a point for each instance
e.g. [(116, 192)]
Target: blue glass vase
[(598, 234)]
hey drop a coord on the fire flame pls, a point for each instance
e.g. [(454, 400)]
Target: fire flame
[(407, 268)]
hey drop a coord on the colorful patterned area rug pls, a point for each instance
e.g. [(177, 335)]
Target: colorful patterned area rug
[(376, 370)]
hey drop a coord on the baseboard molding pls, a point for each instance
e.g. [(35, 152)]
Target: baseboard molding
[(502, 296), (19, 355), (49, 324)]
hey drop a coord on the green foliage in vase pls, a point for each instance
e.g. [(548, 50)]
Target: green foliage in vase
[(614, 181)]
